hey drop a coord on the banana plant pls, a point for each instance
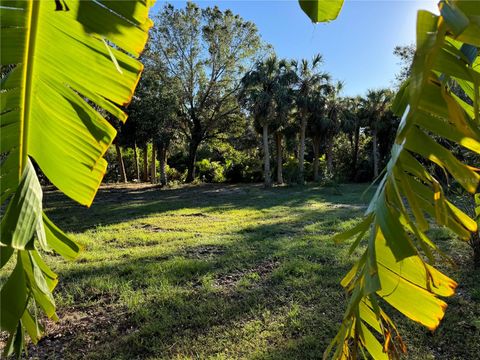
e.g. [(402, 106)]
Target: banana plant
[(397, 265), (67, 59)]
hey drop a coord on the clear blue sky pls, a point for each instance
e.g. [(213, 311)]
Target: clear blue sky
[(357, 47)]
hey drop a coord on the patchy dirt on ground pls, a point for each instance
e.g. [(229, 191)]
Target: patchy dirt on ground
[(260, 271), (204, 251), (78, 332)]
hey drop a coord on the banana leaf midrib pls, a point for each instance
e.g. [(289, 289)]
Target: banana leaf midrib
[(32, 9)]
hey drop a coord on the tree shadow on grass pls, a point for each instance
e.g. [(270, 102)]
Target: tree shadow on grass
[(181, 303), (116, 205), (195, 301)]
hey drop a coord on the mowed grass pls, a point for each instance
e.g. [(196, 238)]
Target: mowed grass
[(224, 272)]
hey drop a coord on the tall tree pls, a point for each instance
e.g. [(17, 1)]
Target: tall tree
[(335, 107), (154, 111), (283, 97), (207, 51), (351, 123), (258, 97), (309, 79), (376, 104), (317, 125), (405, 53), (326, 109)]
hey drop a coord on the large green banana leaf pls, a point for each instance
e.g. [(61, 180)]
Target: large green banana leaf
[(396, 266), (67, 59), (321, 10)]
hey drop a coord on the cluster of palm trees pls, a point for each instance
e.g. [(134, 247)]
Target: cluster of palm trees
[(286, 97)]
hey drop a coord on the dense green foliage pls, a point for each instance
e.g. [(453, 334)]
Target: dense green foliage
[(237, 105)]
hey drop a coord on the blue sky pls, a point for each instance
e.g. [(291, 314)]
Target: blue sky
[(357, 47)]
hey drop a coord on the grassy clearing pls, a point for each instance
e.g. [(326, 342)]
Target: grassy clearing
[(223, 272)]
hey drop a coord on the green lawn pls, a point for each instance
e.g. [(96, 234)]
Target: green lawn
[(223, 272)]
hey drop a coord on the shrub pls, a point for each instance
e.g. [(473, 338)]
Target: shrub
[(244, 169), (291, 173), (210, 171)]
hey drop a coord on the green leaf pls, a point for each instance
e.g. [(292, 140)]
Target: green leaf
[(454, 17), (321, 10), (392, 266), (13, 298), (359, 228), (23, 215), (58, 241), (69, 66)]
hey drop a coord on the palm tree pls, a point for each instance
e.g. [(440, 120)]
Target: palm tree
[(284, 97), (268, 95), (376, 105), (351, 123), (335, 108), (325, 111), (309, 79), (257, 95)]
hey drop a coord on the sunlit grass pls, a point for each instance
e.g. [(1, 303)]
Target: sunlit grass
[(222, 272)]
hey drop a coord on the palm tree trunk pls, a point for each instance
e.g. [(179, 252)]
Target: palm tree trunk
[(135, 158), (145, 163), (329, 155), (162, 154), (301, 155), (266, 158), (296, 148), (121, 165), (355, 151), (375, 153), (278, 140), (153, 171), (316, 160)]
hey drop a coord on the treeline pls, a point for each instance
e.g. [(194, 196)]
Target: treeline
[(215, 104)]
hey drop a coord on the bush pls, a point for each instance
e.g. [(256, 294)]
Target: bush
[(243, 170), (210, 171), (173, 175), (291, 173)]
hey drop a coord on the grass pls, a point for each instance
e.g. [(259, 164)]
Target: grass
[(223, 272)]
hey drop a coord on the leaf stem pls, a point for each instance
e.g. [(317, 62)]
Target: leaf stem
[(32, 9)]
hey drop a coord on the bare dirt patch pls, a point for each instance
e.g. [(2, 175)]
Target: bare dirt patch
[(262, 269), (149, 227), (204, 251), (78, 332)]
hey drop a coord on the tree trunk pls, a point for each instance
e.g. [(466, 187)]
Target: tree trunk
[(153, 171), (135, 158), (316, 160), (301, 155), (121, 165), (192, 159), (145, 163), (162, 155), (355, 151), (266, 158), (375, 153), (296, 148), (278, 140), (329, 156)]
